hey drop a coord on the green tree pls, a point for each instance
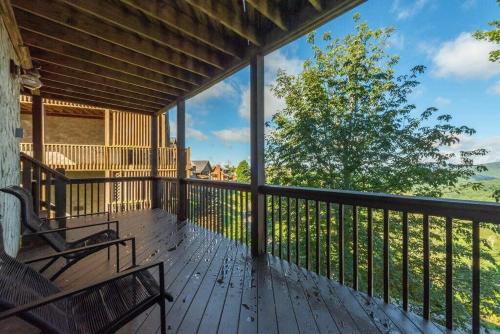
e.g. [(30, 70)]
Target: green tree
[(348, 123), (491, 36), (243, 171)]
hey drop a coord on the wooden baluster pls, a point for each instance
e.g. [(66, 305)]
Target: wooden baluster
[(426, 279), (449, 273), (318, 234), (328, 241), (48, 184), (476, 278), (370, 252), (355, 247), (341, 243), (297, 231), (288, 232), (273, 243), (405, 261), (242, 231), (386, 256), (280, 222), (308, 237)]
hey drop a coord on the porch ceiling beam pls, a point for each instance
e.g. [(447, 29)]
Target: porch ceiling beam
[(83, 96), (94, 80), (48, 46), (77, 83), (167, 14), (95, 70), (118, 15), (91, 102), (230, 16), (99, 94), (271, 10), (316, 4), (75, 20)]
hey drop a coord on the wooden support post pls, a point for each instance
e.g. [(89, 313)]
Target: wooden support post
[(257, 153), (181, 160), (60, 193), (38, 126), (167, 129), (108, 139), (155, 194)]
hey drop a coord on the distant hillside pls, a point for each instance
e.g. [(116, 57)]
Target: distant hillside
[(490, 180), (493, 169)]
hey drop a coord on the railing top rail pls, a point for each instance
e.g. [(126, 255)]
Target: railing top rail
[(165, 178), (219, 184), (43, 166), (460, 209), (109, 179)]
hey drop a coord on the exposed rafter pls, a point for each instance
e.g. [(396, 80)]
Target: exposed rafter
[(230, 16), (164, 12), (269, 9), (38, 43), (153, 30), (79, 22), (97, 93), (316, 4), (93, 102), (92, 69), (90, 79), (98, 87)]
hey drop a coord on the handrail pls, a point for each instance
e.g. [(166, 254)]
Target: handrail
[(44, 167), (460, 209), (219, 184)]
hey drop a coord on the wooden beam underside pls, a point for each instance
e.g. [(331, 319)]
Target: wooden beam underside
[(142, 56)]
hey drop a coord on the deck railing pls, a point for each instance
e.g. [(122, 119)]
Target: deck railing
[(384, 245), (391, 246), (73, 157)]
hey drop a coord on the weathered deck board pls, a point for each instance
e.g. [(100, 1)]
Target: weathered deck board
[(219, 288)]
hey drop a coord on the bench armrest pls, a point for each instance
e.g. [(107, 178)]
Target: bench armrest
[(64, 294)]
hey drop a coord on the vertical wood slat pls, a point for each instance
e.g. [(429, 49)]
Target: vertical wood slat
[(449, 273), (288, 232), (476, 278), (272, 227), (328, 241), (386, 256), (297, 231), (355, 247), (426, 267), (370, 252), (280, 224), (341, 243), (308, 236), (405, 261), (318, 235)]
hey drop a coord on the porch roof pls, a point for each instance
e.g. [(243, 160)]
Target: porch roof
[(155, 51)]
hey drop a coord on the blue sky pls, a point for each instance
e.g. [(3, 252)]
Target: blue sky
[(436, 33)]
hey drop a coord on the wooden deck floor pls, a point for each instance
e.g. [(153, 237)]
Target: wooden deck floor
[(218, 287)]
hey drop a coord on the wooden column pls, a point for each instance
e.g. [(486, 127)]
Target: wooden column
[(181, 160), (167, 130), (108, 138), (155, 198), (257, 153), (38, 126)]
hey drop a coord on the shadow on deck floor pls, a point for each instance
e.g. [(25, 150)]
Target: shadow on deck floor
[(218, 287)]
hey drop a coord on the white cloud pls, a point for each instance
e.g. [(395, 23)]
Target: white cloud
[(272, 104), (491, 144), (396, 41), (273, 62), (465, 57), (442, 102), (495, 89), (241, 135), (277, 60), (196, 134), (468, 4), (408, 10), (223, 89)]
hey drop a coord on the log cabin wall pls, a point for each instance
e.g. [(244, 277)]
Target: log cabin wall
[(9, 144)]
